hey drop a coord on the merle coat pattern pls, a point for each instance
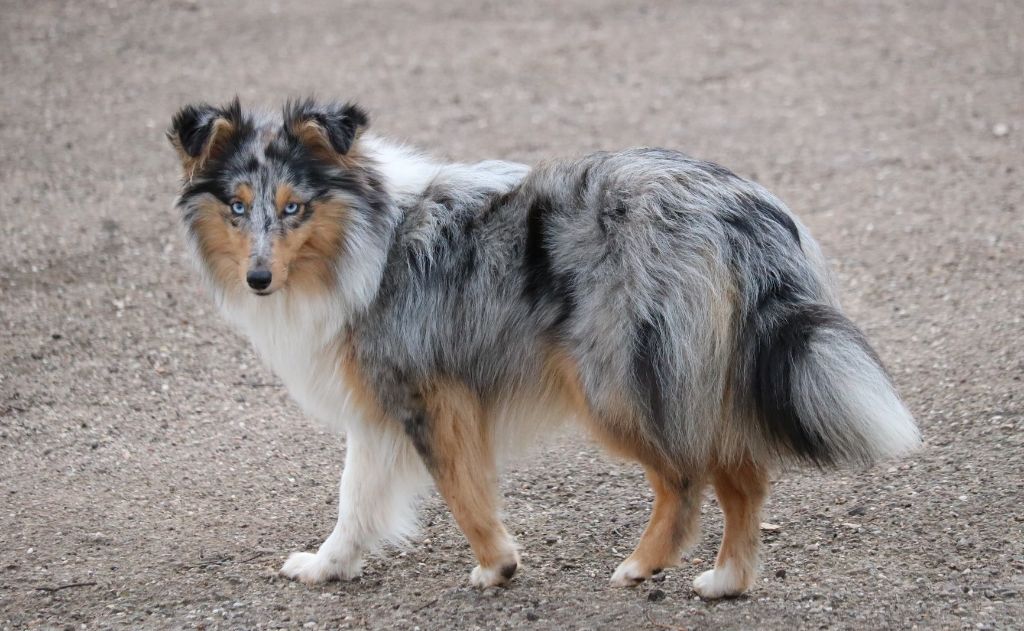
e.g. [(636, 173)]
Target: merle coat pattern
[(442, 313)]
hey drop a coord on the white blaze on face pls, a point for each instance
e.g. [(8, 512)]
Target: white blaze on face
[(262, 223)]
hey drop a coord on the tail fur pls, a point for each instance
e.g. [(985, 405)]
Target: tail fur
[(822, 392)]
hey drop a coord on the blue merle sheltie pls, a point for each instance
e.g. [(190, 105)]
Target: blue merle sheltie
[(443, 314)]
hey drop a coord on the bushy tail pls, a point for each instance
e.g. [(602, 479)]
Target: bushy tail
[(822, 392)]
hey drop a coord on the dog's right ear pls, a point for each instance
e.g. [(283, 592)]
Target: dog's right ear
[(201, 132)]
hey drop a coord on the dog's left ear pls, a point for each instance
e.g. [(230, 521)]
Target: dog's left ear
[(329, 130)]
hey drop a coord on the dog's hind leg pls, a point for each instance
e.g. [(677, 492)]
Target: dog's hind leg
[(382, 477), (741, 491), (455, 444), (672, 528)]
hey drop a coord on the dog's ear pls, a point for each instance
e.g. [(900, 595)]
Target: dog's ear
[(202, 132), (328, 130)]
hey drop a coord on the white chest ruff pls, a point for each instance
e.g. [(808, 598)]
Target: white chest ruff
[(299, 341)]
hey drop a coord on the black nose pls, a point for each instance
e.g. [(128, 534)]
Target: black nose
[(258, 279)]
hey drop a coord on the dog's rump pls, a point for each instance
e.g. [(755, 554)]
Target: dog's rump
[(699, 299)]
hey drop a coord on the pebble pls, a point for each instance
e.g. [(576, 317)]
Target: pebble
[(1000, 129), (656, 595)]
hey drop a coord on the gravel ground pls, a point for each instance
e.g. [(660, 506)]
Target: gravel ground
[(155, 475)]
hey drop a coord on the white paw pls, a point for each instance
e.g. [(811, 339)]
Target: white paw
[(318, 568), (629, 574), (719, 583), (491, 576)]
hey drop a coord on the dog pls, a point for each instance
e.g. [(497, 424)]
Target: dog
[(443, 315)]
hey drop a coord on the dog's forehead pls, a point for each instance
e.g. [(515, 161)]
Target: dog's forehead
[(261, 161)]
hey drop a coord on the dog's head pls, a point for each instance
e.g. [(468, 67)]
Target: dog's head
[(266, 199)]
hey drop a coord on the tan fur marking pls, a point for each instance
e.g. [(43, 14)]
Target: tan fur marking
[(616, 426), (463, 465), (304, 257), (314, 136), (561, 377), (363, 395), (243, 192), (673, 524), (221, 130), (224, 248), (741, 491), (282, 196)]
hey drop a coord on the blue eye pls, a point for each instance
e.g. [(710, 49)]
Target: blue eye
[(238, 208), (291, 208)]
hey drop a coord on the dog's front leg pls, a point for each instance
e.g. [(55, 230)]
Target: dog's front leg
[(455, 443), (376, 502)]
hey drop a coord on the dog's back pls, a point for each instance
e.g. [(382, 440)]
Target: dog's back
[(689, 308)]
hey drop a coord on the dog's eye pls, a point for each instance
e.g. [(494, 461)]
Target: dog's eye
[(237, 208), (291, 208)]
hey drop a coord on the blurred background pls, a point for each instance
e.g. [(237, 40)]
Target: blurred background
[(154, 475)]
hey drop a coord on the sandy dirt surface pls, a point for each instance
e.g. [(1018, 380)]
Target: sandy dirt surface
[(154, 474)]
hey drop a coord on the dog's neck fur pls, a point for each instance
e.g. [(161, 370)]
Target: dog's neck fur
[(405, 171)]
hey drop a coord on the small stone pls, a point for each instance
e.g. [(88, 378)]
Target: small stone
[(1000, 129), (767, 526), (532, 617), (780, 573), (551, 541), (656, 595)]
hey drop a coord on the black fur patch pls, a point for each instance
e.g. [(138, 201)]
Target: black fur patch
[(542, 283), (777, 289), (206, 187), (418, 430), (779, 349), (761, 207), (536, 260), (647, 368), (193, 124)]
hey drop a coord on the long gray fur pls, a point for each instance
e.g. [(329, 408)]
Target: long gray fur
[(691, 292)]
